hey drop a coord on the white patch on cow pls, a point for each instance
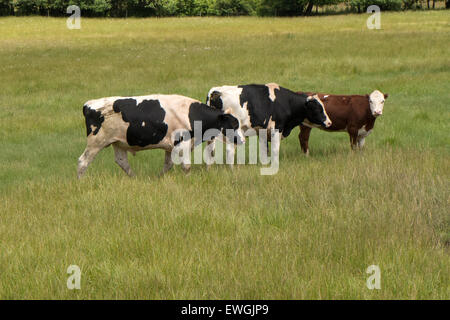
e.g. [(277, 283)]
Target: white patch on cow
[(143, 123), (325, 96), (270, 124), (376, 101), (245, 120), (361, 142), (362, 134), (272, 87), (309, 124), (101, 103), (327, 121), (230, 100), (175, 117)]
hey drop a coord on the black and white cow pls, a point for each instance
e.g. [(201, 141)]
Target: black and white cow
[(266, 106), (149, 122)]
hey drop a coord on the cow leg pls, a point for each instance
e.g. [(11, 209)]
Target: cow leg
[(186, 167), (361, 140), (303, 136), (187, 146), (230, 150), (274, 148), (353, 139), (183, 151), (210, 151), (362, 134), (121, 158), (86, 158), (168, 163)]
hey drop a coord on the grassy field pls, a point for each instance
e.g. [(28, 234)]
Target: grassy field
[(308, 232)]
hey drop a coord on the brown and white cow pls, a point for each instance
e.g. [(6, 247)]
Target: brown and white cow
[(132, 124), (355, 114)]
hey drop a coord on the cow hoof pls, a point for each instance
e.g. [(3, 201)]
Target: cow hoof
[(186, 170)]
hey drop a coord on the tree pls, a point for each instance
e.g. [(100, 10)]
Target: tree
[(6, 7), (234, 7), (26, 7)]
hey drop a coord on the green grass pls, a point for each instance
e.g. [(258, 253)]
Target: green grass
[(308, 232)]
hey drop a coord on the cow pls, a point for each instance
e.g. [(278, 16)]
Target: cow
[(266, 106), (355, 114), (132, 124)]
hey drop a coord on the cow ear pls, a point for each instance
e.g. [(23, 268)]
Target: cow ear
[(386, 95)]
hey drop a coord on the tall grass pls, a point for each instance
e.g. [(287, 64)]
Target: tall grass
[(309, 231)]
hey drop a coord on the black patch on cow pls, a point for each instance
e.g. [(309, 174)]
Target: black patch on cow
[(92, 118), (215, 100), (201, 112), (260, 106), (314, 112), (180, 136), (146, 121), (229, 122), (178, 139), (210, 118), (288, 110)]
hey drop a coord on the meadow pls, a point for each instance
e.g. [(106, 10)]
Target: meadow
[(308, 232)]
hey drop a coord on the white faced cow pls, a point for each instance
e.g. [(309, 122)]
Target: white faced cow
[(268, 106), (355, 114), (149, 122)]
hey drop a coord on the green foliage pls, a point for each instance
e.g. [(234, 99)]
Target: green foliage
[(161, 8), (235, 7), (385, 5), (282, 7), (26, 7), (5, 7)]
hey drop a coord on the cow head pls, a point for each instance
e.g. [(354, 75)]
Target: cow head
[(231, 128), (214, 100), (315, 111), (376, 101)]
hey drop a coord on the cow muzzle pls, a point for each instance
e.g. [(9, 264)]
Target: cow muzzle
[(327, 123), (377, 113)]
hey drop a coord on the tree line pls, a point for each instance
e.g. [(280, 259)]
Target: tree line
[(162, 8)]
